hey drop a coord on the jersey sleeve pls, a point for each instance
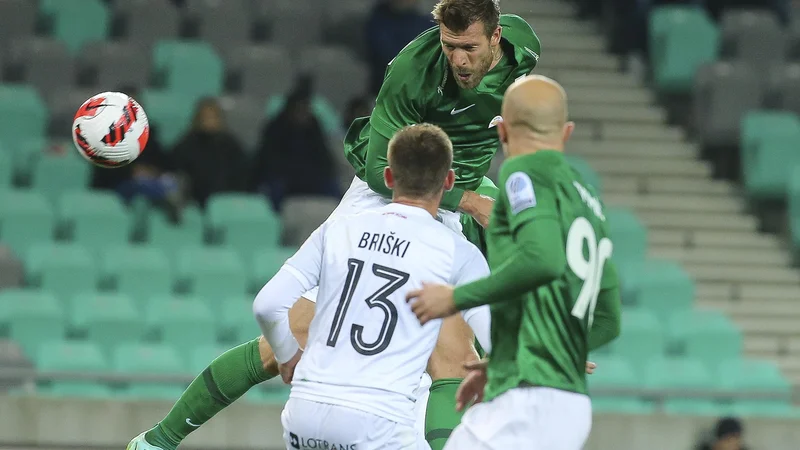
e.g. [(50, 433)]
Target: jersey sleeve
[(471, 266), (398, 103), (526, 195), (520, 34)]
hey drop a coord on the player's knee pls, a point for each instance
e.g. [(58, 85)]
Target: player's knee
[(454, 348), (268, 362)]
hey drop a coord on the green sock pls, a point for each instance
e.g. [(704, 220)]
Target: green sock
[(226, 379), (441, 416)]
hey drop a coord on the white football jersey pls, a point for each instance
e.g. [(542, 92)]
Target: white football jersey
[(366, 349)]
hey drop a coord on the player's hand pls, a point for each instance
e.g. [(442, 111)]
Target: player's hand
[(590, 366), (433, 301), (478, 206), (472, 388), (287, 369)]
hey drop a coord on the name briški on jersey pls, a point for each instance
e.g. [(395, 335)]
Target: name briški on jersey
[(366, 349)]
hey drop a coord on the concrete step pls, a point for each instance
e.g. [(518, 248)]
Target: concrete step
[(609, 95), (782, 327), (740, 272), (745, 309), (666, 185), (712, 239), (539, 9), (691, 221), (747, 292), (558, 26), (613, 166), (557, 42), (631, 149), (655, 133), (700, 203), (581, 60), (721, 256), (579, 111)]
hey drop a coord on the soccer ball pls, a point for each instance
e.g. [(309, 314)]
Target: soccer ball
[(110, 129)]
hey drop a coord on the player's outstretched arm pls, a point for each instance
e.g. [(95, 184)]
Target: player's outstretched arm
[(607, 314), (377, 162)]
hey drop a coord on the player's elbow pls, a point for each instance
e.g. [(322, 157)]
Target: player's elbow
[(263, 308)]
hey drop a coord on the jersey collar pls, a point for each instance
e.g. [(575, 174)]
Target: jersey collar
[(407, 210)]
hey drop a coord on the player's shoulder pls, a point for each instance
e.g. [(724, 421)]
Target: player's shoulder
[(424, 52), (519, 33), (543, 167)]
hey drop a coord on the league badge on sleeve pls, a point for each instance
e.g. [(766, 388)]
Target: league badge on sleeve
[(519, 189)]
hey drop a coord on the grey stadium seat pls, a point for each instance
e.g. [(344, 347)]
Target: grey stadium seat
[(789, 94), (302, 215), (245, 117), (345, 25), (338, 74), (63, 105), (224, 24), (296, 25), (12, 273), (46, 63), (264, 70), (17, 19), (724, 91), (117, 64), (754, 36), (149, 21)]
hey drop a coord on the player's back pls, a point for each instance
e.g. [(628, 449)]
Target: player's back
[(366, 349)]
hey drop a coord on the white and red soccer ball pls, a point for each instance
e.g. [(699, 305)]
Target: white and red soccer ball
[(110, 129)]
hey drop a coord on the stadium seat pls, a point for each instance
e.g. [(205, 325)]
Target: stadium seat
[(150, 359), (789, 89), (295, 26), (737, 375), (17, 19), (323, 109), (73, 356), (33, 317), (709, 336), (107, 319), (222, 24), (628, 234), (641, 338), (621, 405), (24, 115), (695, 407), (237, 323), (754, 36), (54, 175), (245, 117), (263, 70), (345, 76), (25, 218), (172, 237), (146, 22), (793, 208), (267, 262), (39, 58), (12, 273), (6, 170), (63, 106), (214, 273), (78, 21), (140, 272), (682, 374), (758, 125), (190, 68), (117, 63), (615, 373), (181, 322), (663, 287), (201, 355), (95, 219), (168, 111), (244, 222), (64, 268), (768, 171), (585, 170), (301, 215), (274, 395)]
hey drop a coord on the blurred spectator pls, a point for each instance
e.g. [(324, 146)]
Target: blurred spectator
[(357, 107), (727, 435), (293, 157), (391, 26), (150, 176), (209, 156)]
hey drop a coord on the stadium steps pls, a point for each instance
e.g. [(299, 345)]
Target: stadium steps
[(649, 167)]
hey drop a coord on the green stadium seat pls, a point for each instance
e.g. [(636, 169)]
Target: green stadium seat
[(243, 221), (189, 67), (73, 356), (24, 115), (150, 359), (32, 317), (95, 219), (758, 125), (6, 170), (107, 319), (663, 287), (172, 237), (266, 264), (622, 405), (641, 337), (68, 269), (321, 107), (54, 175), (201, 356), (738, 376), (212, 272), (628, 234), (77, 22), (793, 208), (26, 217), (615, 372), (768, 410), (237, 321), (275, 395), (682, 40), (695, 407), (586, 171), (684, 375), (170, 112), (707, 335), (183, 322), (767, 173), (138, 271)]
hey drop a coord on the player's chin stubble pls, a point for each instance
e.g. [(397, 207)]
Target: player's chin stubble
[(477, 75)]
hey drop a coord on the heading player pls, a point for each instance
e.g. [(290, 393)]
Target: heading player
[(553, 289), (453, 75), (354, 384)]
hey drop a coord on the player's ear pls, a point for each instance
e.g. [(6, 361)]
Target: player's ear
[(569, 127), (450, 180), (496, 35), (388, 178)]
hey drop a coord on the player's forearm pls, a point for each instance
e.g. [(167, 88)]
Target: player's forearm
[(271, 309), (453, 200), (376, 163), (480, 321), (537, 260), (607, 318)]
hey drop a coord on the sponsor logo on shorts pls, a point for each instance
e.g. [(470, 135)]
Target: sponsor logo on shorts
[(302, 443)]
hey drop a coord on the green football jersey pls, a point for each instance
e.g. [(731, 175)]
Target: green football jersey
[(419, 87), (541, 338)]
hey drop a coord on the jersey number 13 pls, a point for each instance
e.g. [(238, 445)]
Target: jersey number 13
[(589, 269), (395, 279)]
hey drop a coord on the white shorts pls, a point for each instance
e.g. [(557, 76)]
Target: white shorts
[(526, 418), (359, 197), (311, 425)]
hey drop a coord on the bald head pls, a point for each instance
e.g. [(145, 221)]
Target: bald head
[(535, 104)]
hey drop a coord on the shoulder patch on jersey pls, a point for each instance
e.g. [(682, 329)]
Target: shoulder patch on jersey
[(519, 189)]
